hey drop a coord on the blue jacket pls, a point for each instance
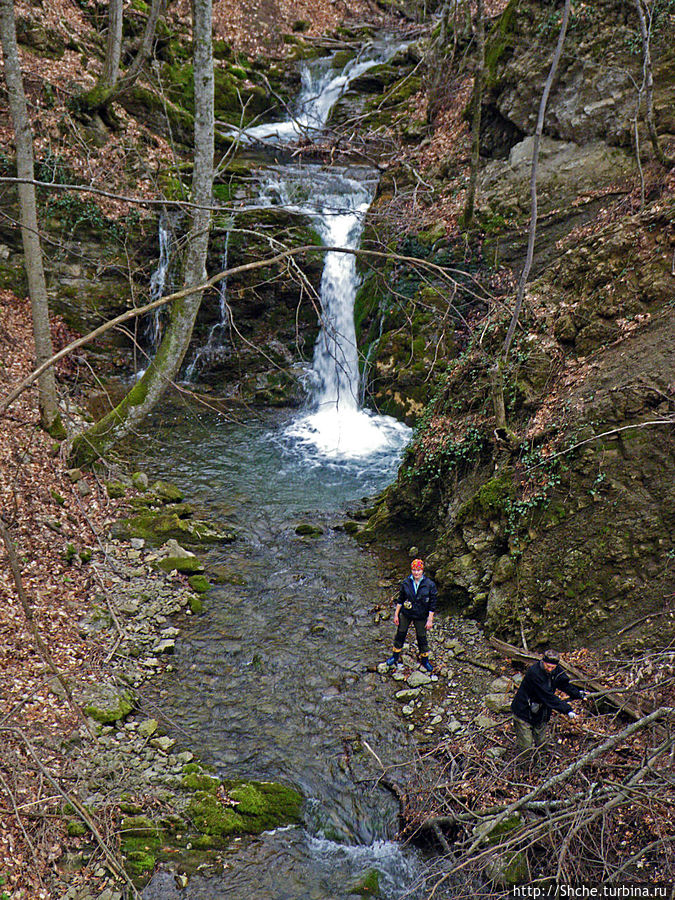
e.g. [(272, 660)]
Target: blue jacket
[(418, 605)]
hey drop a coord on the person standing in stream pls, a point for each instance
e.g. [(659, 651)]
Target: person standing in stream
[(416, 603)]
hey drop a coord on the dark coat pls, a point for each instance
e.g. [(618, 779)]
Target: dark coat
[(535, 698), (418, 605)]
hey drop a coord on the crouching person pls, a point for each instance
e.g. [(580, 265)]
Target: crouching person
[(535, 699)]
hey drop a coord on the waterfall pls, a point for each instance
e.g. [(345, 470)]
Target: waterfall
[(321, 88), (337, 200), (158, 282), (215, 347)]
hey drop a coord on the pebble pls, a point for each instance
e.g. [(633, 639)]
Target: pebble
[(407, 710)]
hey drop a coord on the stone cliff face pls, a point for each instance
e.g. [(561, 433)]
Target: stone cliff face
[(566, 535), (565, 532)]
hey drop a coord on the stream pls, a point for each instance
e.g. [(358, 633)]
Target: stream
[(272, 682)]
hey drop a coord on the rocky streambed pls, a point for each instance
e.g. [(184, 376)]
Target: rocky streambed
[(228, 706)]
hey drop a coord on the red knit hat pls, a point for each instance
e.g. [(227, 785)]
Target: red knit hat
[(417, 564)]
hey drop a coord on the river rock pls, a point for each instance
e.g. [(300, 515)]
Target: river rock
[(147, 728), (483, 723), (163, 743), (501, 685), (166, 646), (409, 694), (499, 703), (170, 548), (407, 710), (418, 679)]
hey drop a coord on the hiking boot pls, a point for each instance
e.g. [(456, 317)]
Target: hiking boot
[(426, 665), (394, 660)]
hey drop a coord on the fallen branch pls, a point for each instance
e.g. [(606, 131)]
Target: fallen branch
[(613, 741)]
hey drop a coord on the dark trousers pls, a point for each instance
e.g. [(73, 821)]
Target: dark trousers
[(420, 630)]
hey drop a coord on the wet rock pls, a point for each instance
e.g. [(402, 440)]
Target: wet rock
[(166, 646), (407, 710), (166, 492), (306, 529), (199, 583), (418, 679), (163, 743)]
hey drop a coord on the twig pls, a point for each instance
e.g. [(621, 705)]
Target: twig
[(113, 862)]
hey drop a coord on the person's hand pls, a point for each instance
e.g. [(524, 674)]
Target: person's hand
[(572, 715), (396, 619), (430, 622)]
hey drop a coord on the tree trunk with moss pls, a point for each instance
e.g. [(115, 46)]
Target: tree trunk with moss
[(106, 90), (30, 234), (163, 369)]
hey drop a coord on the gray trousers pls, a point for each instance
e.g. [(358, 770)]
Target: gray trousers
[(528, 736)]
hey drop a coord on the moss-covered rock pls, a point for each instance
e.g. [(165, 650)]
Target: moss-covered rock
[(186, 565), (110, 706), (199, 583)]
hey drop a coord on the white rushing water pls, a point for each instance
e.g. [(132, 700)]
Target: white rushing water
[(321, 88), (215, 346), (337, 201)]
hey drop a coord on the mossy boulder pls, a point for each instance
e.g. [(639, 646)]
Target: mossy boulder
[(264, 804), (199, 583), (186, 565), (368, 885), (306, 529), (158, 526), (109, 706)]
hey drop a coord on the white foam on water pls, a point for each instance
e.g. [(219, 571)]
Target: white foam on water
[(348, 434)]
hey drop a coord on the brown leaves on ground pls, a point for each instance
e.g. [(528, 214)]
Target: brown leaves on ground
[(50, 523), (583, 828)]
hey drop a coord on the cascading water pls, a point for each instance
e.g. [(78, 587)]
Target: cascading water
[(159, 281), (322, 87), (215, 346), (335, 426), (284, 711)]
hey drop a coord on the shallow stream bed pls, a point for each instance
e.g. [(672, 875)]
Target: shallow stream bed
[(272, 682)]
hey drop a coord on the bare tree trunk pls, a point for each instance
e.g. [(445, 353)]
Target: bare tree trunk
[(30, 234), (156, 10), (165, 366), (645, 34), (113, 48), (475, 119), (525, 274)]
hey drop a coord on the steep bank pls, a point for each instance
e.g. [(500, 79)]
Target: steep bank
[(555, 533)]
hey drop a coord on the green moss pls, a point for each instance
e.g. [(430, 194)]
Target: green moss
[(196, 606), (200, 781), (85, 555), (183, 564), (166, 492), (368, 885), (199, 583), (264, 805), (115, 489), (117, 711), (210, 816), (76, 828), (491, 499)]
